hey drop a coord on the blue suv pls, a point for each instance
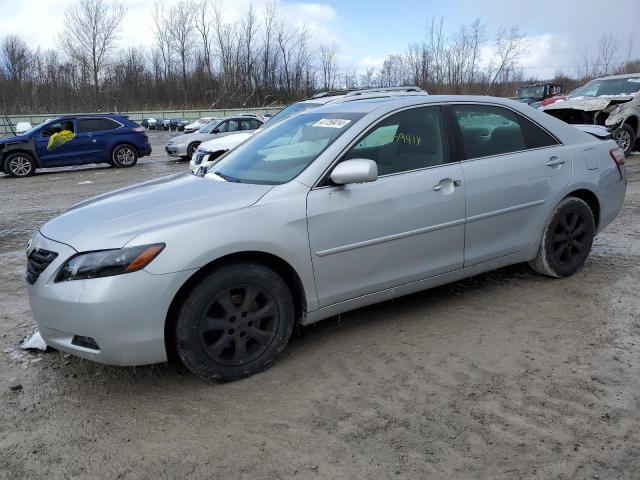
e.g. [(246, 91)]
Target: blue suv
[(74, 140)]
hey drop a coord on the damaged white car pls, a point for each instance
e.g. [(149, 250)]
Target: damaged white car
[(613, 102)]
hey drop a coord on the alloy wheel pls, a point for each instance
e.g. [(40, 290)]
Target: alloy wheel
[(20, 166), (623, 139), (569, 239), (238, 325), (125, 156)]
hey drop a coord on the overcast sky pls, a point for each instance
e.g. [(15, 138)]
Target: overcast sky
[(366, 31)]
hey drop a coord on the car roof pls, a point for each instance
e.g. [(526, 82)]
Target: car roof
[(613, 77), (90, 115), (324, 98), (239, 117), (367, 105)]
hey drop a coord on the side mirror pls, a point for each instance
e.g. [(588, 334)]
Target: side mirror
[(215, 131), (357, 170)]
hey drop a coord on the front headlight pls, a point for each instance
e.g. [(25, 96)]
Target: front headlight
[(106, 263)]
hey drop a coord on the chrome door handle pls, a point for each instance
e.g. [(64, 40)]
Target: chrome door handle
[(437, 188), (553, 161)]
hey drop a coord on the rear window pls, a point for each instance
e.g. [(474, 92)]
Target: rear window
[(86, 125), (489, 130)]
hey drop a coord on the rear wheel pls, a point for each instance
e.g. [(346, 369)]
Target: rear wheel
[(19, 164), (625, 138), (235, 322), (124, 156), (566, 240)]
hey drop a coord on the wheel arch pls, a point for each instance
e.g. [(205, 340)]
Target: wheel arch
[(274, 262), (6, 153), (121, 143), (632, 121), (590, 199)]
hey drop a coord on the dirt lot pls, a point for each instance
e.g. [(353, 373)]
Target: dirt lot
[(505, 375)]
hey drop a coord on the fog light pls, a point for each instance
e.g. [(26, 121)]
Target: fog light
[(85, 342)]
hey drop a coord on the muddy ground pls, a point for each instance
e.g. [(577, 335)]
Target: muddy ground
[(505, 375)]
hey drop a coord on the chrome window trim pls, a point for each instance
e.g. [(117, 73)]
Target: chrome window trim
[(369, 130)]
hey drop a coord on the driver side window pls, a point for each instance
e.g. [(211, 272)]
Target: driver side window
[(57, 128), (408, 140)]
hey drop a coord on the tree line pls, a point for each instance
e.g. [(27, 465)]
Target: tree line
[(200, 59)]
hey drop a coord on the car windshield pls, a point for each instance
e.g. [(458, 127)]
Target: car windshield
[(531, 92), (291, 110), (209, 126), (281, 152), (614, 86)]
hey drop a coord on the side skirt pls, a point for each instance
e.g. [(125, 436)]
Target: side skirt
[(399, 291)]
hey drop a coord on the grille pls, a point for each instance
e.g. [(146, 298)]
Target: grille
[(39, 259)]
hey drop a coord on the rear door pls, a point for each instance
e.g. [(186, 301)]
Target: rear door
[(405, 226), (95, 138), (513, 170)]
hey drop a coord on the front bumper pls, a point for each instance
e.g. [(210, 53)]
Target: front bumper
[(124, 314), (177, 150)]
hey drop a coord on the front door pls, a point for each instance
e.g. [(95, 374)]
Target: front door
[(57, 144), (405, 226)]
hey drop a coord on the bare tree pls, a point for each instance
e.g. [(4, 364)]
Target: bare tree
[(90, 35), (607, 48), (510, 46), (181, 30), (203, 26), (329, 64)]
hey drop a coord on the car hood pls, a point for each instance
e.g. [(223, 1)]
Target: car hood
[(187, 137), (16, 139), (113, 219), (589, 104), (226, 143)]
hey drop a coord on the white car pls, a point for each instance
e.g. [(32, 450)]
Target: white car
[(208, 152), (22, 127), (198, 124)]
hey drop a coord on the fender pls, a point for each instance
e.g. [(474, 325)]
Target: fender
[(19, 144)]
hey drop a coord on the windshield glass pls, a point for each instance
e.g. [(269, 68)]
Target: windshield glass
[(292, 109), (209, 126), (281, 152), (531, 92), (614, 86)]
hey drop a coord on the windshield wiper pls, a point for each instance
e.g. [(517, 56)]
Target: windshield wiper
[(228, 178)]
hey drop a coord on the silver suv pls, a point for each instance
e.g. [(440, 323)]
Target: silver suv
[(332, 209), (210, 150)]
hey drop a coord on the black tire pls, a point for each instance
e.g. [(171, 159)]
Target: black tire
[(566, 240), (234, 323), (19, 164), (124, 156), (625, 137), (191, 149)]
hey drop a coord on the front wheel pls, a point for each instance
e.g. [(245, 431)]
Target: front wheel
[(191, 150), (19, 164), (625, 138), (124, 156), (566, 240), (235, 322)]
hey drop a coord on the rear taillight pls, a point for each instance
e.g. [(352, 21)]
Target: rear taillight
[(139, 129), (617, 154)]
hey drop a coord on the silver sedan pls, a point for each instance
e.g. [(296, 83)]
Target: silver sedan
[(332, 209), (184, 146)]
